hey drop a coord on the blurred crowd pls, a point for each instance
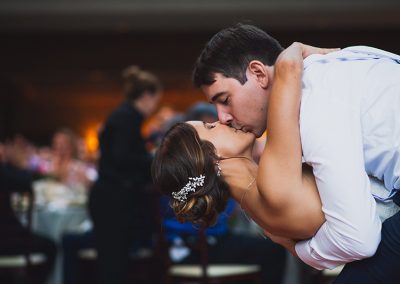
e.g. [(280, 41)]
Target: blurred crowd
[(119, 193), (64, 159)]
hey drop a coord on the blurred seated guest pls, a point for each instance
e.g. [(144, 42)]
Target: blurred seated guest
[(224, 246), (64, 163), (18, 151), (157, 120), (15, 238), (166, 117), (119, 203), (202, 111), (153, 128)]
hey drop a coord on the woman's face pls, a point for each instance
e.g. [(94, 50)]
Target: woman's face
[(228, 141), (62, 145)]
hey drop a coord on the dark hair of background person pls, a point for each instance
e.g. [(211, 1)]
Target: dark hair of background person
[(230, 51), (182, 154), (137, 82)]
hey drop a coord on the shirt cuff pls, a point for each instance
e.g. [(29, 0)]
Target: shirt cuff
[(305, 253)]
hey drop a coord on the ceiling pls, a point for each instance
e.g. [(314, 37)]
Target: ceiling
[(194, 15)]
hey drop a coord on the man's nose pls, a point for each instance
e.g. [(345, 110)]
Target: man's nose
[(225, 118)]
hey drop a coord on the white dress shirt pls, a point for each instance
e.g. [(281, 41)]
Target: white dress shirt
[(350, 128)]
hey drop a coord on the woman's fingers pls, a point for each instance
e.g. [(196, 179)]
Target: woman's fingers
[(307, 50), (293, 56)]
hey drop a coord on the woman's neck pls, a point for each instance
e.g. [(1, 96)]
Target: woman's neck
[(238, 172)]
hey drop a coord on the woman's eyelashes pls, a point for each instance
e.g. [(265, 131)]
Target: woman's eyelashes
[(209, 125)]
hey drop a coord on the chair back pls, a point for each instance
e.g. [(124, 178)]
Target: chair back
[(16, 208), (203, 247), (204, 272), (28, 213)]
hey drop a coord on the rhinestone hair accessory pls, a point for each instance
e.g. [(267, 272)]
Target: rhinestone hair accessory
[(219, 170), (191, 186)]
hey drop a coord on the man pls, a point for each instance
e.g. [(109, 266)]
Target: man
[(350, 128)]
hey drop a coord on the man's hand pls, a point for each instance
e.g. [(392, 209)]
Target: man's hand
[(287, 243)]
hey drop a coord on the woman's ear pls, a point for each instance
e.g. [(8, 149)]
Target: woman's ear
[(259, 71)]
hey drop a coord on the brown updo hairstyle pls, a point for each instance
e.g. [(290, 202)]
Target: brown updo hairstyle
[(136, 82), (182, 154)]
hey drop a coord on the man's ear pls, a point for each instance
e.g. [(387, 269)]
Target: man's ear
[(258, 69)]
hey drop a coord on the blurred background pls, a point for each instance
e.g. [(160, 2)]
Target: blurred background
[(61, 59), (60, 78)]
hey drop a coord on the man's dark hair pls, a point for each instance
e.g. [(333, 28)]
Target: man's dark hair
[(230, 51)]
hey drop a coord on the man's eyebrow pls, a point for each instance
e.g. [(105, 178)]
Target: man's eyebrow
[(216, 96)]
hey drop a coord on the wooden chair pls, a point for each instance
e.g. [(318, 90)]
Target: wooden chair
[(26, 267), (145, 266), (212, 273)]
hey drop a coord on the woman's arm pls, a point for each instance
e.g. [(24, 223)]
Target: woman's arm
[(294, 201), (299, 220)]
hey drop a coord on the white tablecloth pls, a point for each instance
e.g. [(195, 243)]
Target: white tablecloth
[(55, 213)]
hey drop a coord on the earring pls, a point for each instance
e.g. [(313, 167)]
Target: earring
[(218, 168)]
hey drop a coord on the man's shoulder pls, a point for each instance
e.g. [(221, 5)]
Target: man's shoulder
[(372, 51), (351, 53)]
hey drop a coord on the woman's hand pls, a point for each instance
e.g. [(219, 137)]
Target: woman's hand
[(308, 50), (290, 62)]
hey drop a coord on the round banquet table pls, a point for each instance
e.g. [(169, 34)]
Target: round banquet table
[(56, 212)]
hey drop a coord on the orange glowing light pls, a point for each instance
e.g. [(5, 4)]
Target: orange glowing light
[(91, 139)]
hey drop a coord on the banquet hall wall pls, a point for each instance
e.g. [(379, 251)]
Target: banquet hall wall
[(72, 79)]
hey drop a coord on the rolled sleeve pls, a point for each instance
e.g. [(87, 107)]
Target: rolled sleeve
[(327, 251)]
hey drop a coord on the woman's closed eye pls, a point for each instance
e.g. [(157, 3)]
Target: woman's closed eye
[(208, 125)]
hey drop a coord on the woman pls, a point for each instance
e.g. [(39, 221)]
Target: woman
[(199, 165), (118, 203)]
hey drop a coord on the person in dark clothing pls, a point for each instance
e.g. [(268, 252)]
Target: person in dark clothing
[(119, 203), (15, 238)]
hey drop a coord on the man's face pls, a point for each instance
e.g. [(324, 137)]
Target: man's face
[(227, 141), (240, 106)]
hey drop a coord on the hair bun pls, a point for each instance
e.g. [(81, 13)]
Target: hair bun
[(181, 155), (137, 81), (199, 210), (131, 72)]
